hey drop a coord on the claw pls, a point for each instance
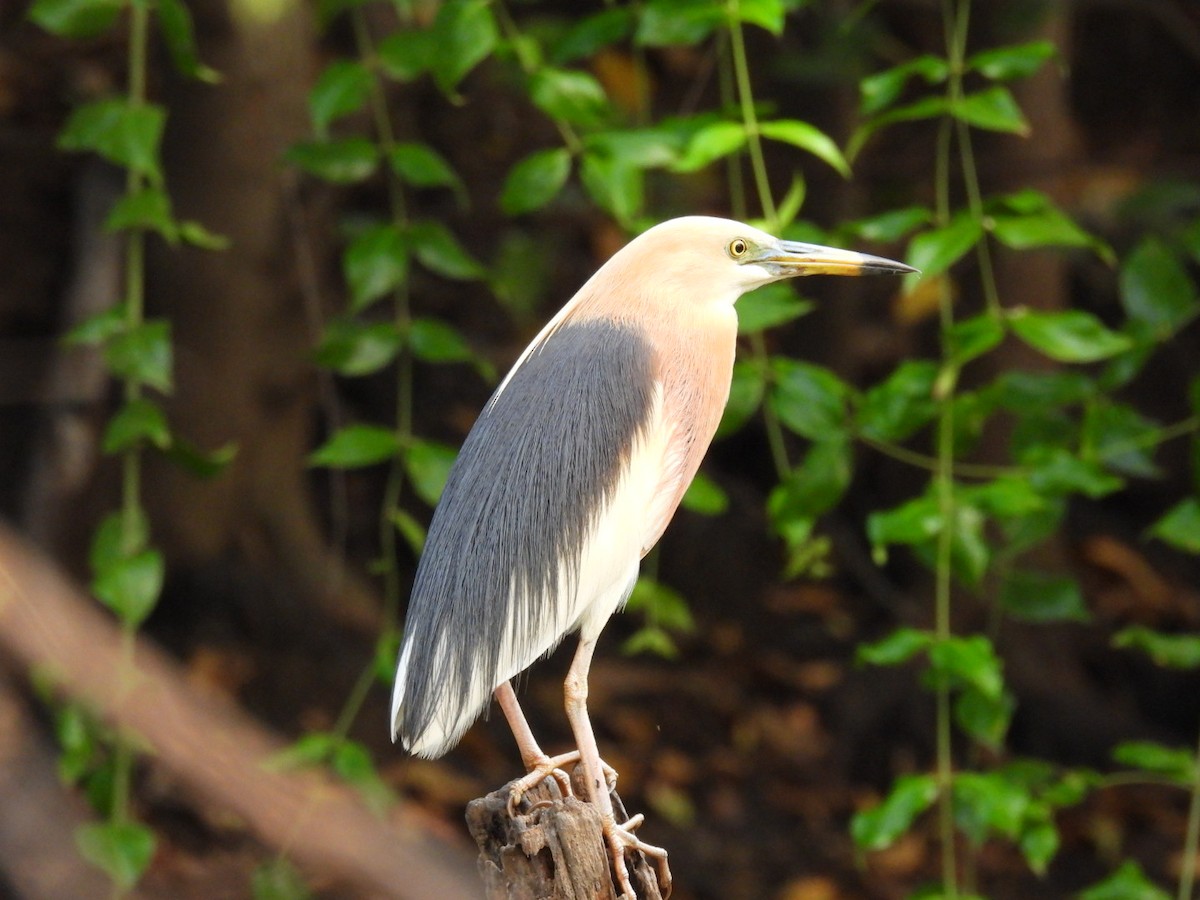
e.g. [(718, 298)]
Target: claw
[(546, 767), (621, 840)]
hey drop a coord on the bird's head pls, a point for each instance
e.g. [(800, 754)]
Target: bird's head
[(700, 259)]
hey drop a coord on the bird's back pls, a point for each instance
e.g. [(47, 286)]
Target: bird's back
[(513, 556)]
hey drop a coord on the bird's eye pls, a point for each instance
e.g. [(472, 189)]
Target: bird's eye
[(738, 248)]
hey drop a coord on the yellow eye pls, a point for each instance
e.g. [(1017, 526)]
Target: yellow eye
[(738, 248)]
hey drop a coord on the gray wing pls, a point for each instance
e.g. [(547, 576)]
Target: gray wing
[(544, 456)]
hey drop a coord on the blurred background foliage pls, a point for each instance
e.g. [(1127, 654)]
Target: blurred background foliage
[(292, 246)]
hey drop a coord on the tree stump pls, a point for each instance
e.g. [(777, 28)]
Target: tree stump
[(553, 849)]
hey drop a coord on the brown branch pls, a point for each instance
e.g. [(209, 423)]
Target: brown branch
[(212, 747)]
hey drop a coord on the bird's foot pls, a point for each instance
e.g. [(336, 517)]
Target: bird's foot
[(621, 840), (539, 770), (552, 767)]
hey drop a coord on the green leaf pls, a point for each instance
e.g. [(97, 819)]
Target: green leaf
[(1025, 391), (710, 143), (880, 827), (652, 641), (677, 22), (661, 605), (355, 446), (98, 327), (895, 409), (1055, 470), (341, 161), (535, 181), (993, 109), (809, 400), (881, 90), (353, 348), (913, 523), (745, 397), (123, 850), (464, 35), (435, 341), (1039, 597), (967, 662), (1127, 883), (140, 420), (812, 488), (278, 879), (414, 535), (428, 465), (310, 750), (1072, 336), (592, 33), (127, 134), (705, 497), (198, 462), (110, 542), (987, 802), (648, 147), (404, 55), (191, 232), (1174, 651), (142, 354), (925, 108), (898, 647), (1148, 756), (352, 762), (148, 209), (1028, 219), (421, 166), (806, 137), (1117, 435), (375, 263), (341, 89), (984, 718), (766, 14), (1015, 61), (891, 225), (1039, 844), (770, 306), (935, 251), (439, 251), (1180, 526), (789, 206), (1156, 291), (970, 338), (614, 184), (76, 18), (179, 34), (570, 96), (969, 550), (130, 585)]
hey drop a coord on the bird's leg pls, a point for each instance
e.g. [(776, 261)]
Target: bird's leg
[(619, 836), (538, 766)]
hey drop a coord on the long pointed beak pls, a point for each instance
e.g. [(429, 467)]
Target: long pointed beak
[(789, 259)]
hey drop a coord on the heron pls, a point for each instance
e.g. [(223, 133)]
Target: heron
[(569, 477)]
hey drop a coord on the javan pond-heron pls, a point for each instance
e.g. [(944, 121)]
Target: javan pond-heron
[(569, 477)]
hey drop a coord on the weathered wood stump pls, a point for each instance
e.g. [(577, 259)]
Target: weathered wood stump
[(553, 849)]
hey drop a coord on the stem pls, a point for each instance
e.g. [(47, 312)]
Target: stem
[(131, 476), (944, 489), (389, 556), (1191, 843), (508, 25), (745, 94), (741, 71)]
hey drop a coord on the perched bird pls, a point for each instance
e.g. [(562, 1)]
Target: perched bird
[(569, 477)]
